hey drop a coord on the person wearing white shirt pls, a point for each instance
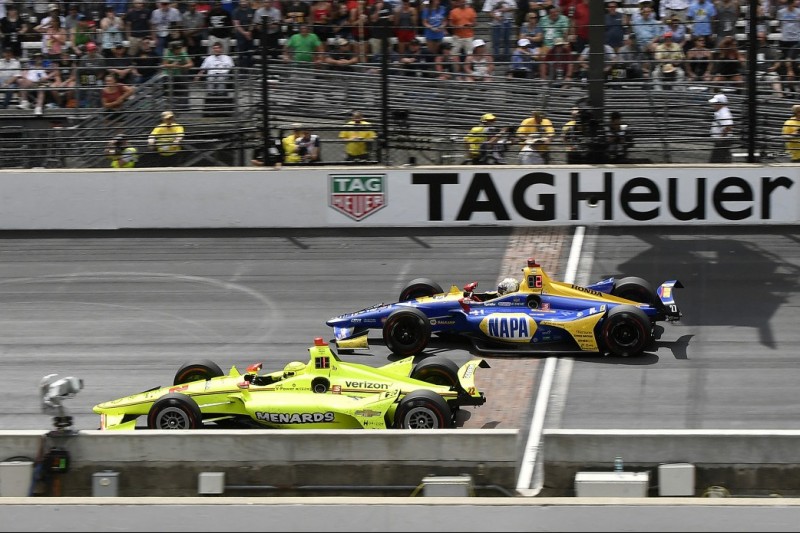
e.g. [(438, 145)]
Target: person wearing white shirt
[(10, 69), (721, 130), (34, 76), (503, 17), (217, 69), (673, 9)]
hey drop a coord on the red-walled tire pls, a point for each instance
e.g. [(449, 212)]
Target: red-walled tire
[(199, 371), (423, 409), (175, 411)]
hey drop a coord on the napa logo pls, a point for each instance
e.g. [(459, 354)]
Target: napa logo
[(513, 327), (357, 195)]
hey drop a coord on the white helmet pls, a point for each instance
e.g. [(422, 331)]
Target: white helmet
[(508, 285)]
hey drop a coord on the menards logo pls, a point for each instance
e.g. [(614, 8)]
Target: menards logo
[(357, 195)]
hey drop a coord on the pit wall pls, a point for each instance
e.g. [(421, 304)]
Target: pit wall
[(265, 462), (755, 462)]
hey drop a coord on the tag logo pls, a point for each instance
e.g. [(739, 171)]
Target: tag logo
[(357, 195)]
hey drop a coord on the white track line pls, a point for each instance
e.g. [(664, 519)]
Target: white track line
[(529, 458)]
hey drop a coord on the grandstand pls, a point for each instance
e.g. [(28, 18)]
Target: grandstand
[(427, 117)]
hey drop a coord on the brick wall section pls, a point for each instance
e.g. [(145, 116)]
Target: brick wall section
[(512, 381)]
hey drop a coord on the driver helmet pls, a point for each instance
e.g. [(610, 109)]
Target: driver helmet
[(293, 369), (507, 285)]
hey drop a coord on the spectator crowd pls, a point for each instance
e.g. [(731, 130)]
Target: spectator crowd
[(666, 41), (95, 54)]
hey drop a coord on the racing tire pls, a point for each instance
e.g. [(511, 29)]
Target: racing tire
[(437, 371), (637, 290), (417, 288), (320, 385), (625, 331), (534, 301), (175, 411), (200, 371), (406, 332), (423, 409)]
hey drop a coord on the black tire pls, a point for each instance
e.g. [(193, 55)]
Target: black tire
[(175, 411), (437, 371), (200, 371), (417, 288), (423, 409), (320, 385), (625, 331), (636, 290), (407, 332)]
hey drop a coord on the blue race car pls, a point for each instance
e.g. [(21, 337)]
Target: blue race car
[(532, 315)]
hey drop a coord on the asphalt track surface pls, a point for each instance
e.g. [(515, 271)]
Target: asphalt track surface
[(122, 310)]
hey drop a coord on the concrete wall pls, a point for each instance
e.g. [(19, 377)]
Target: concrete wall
[(755, 462), (393, 463), (155, 463)]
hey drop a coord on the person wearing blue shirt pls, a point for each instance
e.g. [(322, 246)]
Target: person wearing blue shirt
[(434, 19), (615, 26), (647, 28), (703, 15), (522, 60)]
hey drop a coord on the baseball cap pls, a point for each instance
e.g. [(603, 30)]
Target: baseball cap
[(487, 117), (167, 114), (523, 42), (718, 99), (478, 42), (52, 7)]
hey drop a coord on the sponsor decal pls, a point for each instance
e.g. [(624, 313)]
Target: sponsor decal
[(179, 388), (367, 412), (587, 291), (514, 327), (336, 389), (295, 418), (365, 385), (440, 322), (469, 371), (357, 195), (640, 198)]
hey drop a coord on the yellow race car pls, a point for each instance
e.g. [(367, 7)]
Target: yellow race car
[(325, 393)]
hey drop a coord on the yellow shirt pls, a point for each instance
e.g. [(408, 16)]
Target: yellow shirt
[(290, 154), (128, 158), (543, 129), (358, 140), (791, 127), (167, 138)]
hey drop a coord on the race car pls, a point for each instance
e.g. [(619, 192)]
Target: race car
[(533, 315), (325, 393)]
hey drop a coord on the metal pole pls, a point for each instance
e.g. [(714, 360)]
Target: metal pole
[(752, 46), (597, 59), (264, 90), (383, 145)]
